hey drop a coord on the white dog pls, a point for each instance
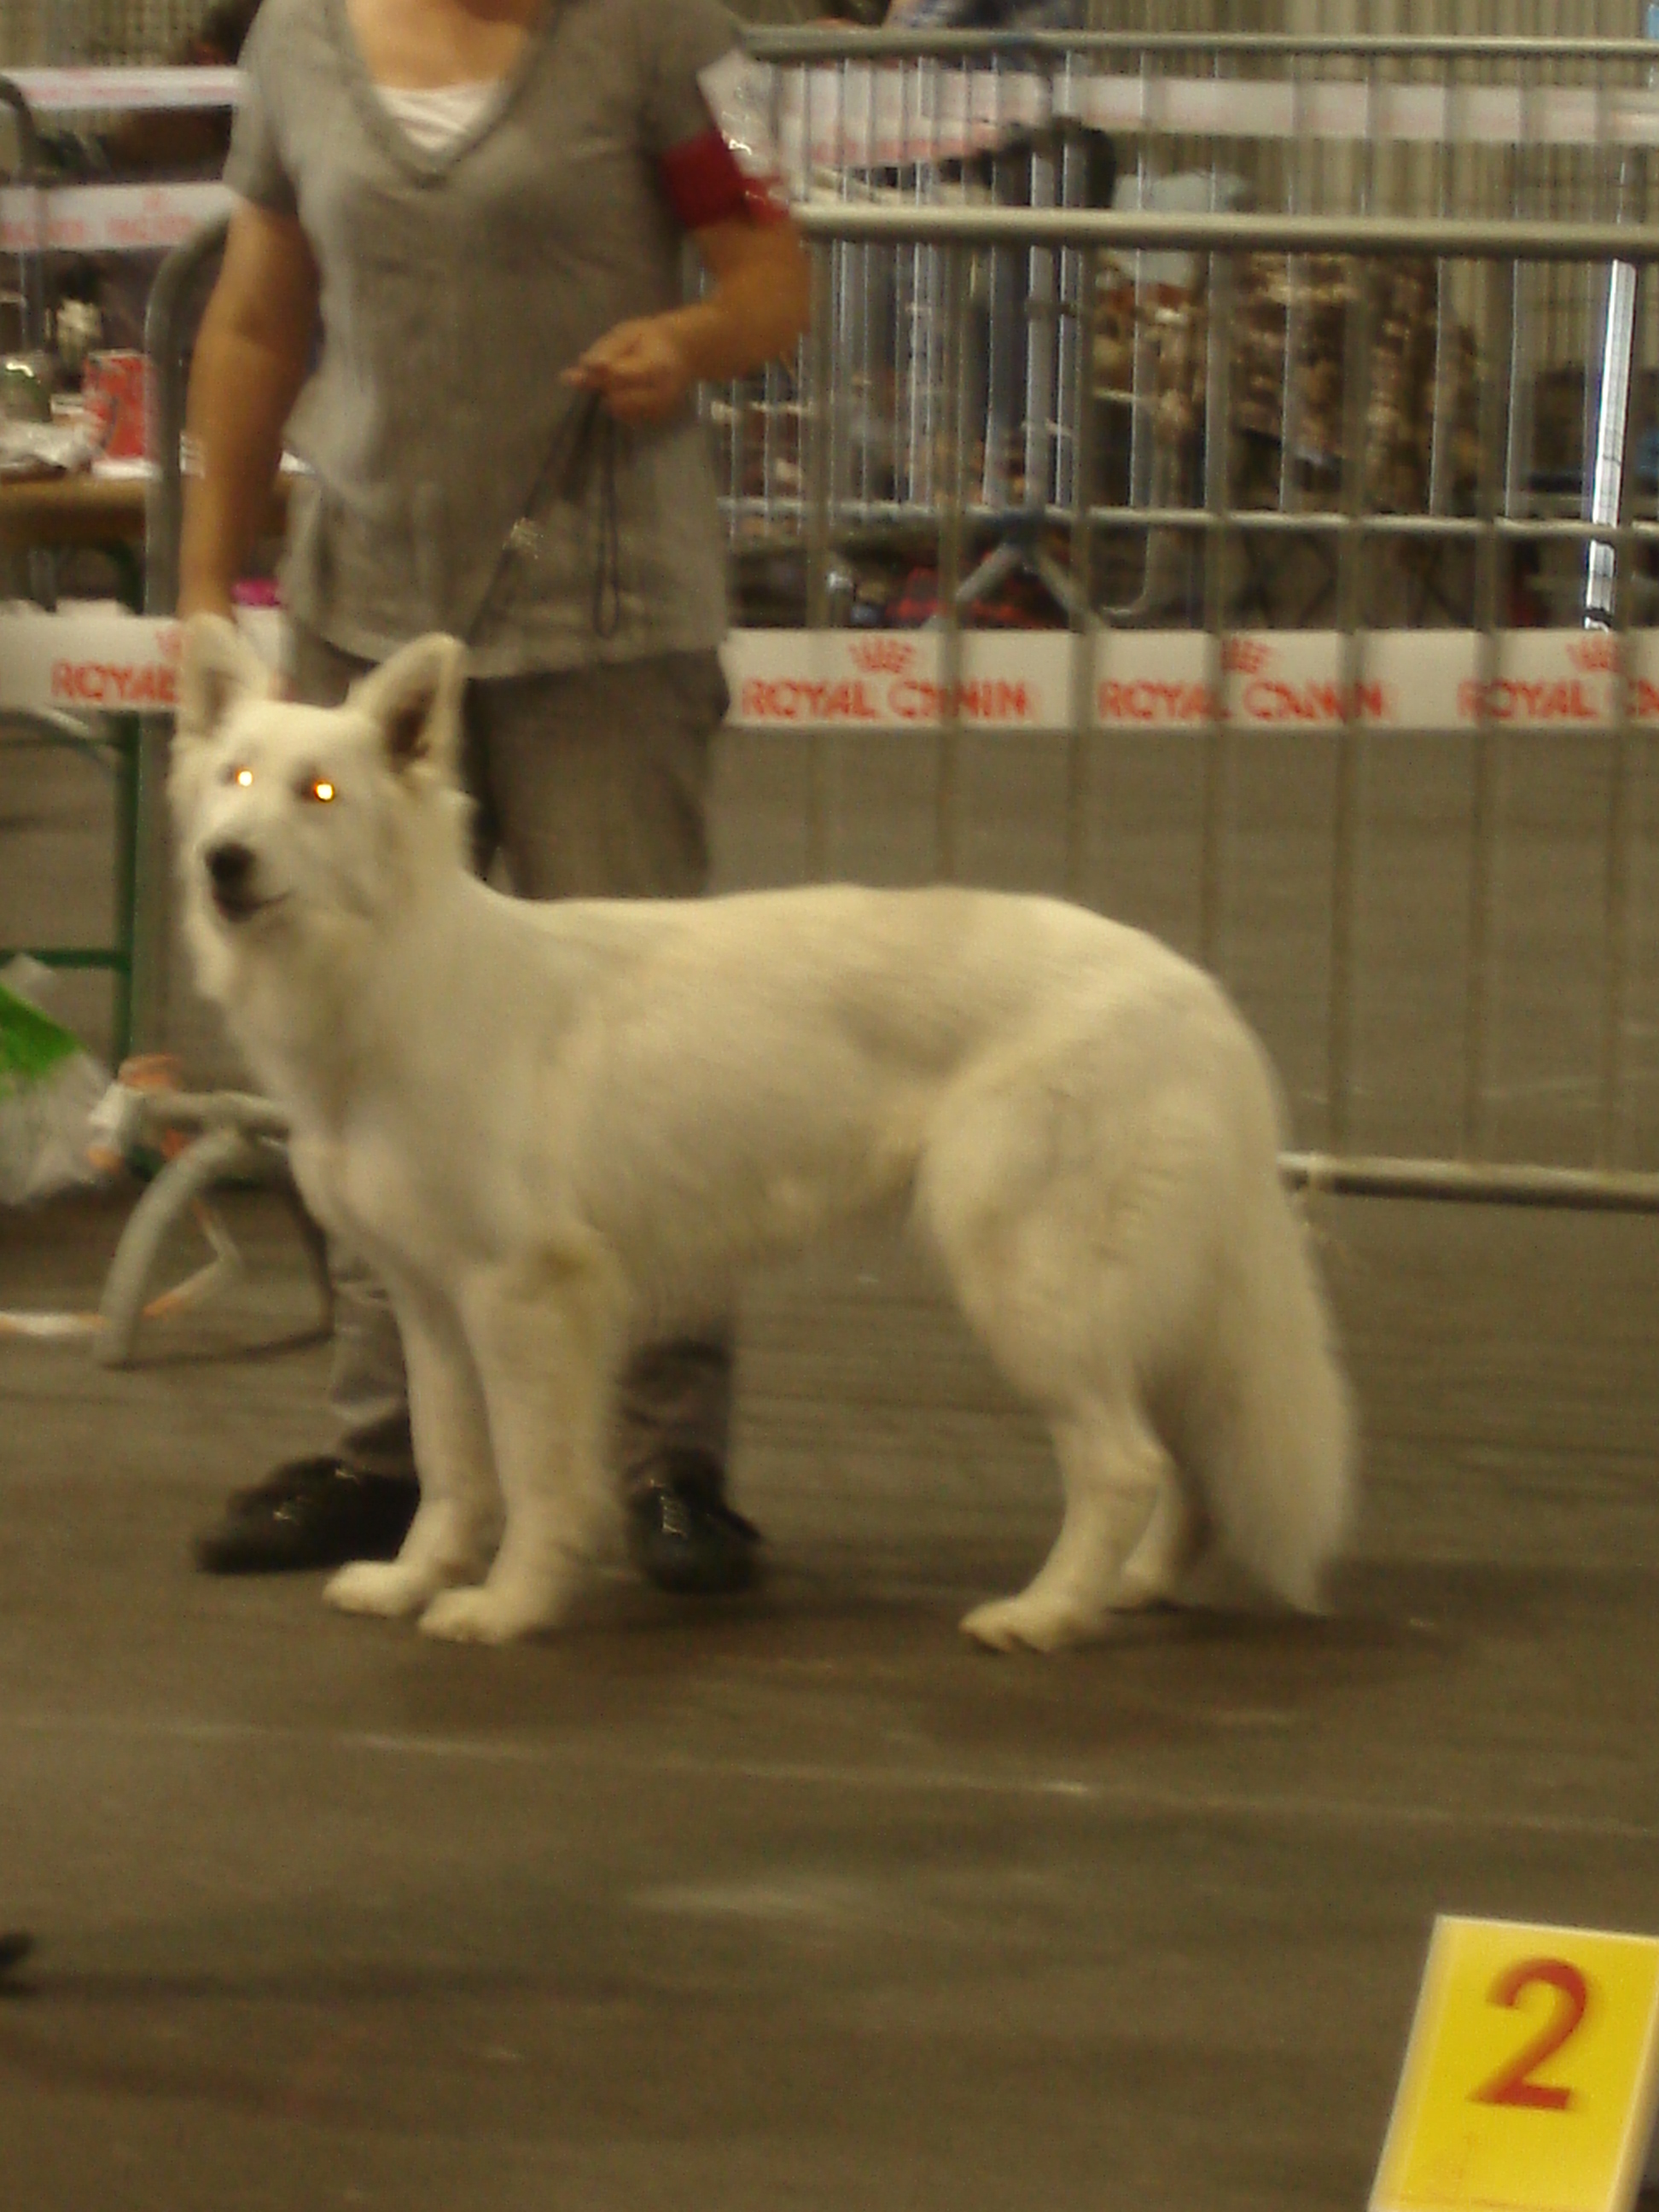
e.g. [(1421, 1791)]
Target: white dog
[(553, 1128)]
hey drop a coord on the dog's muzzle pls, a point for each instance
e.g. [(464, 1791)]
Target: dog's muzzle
[(230, 868)]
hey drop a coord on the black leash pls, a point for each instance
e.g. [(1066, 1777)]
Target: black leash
[(584, 444)]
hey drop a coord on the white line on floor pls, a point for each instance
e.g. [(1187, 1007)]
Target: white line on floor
[(1128, 1795)]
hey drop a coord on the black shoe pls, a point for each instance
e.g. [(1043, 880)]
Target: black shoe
[(684, 1537), (309, 1513), (14, 1947)]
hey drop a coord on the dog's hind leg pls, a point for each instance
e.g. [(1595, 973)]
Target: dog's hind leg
[(1176, 1538), (1045, 1271), (448, 1539), (1115, 1472), (546, 1337)]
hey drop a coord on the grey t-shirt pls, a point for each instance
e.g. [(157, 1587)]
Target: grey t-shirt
[(455, 288)]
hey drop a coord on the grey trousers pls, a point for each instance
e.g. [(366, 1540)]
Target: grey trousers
[(589, 784)]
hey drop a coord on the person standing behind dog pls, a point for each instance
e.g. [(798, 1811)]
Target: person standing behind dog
[(481, 206)]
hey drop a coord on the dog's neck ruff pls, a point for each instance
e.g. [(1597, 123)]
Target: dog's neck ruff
[(313, 1003)]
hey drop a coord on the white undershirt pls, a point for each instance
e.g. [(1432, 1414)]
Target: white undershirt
[(436, 118)]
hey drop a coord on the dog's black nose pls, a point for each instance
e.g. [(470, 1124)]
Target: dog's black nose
[(230, 865)]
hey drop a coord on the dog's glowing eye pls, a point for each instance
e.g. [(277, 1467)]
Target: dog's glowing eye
[(320, 788), (245, 776)]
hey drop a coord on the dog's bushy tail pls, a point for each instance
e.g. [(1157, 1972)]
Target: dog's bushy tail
[(1276, 1440)]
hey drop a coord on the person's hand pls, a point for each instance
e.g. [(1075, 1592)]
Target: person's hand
[(640, 370)]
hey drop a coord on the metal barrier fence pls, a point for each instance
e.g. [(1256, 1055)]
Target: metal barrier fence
[(1525, 128), (1383, 346)]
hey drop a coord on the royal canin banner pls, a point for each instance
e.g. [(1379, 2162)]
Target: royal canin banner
[(1180, 680), (106, 218), (88, 662), (105, 91), (99, 659)]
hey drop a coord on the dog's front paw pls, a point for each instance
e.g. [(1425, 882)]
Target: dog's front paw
[(482, 1615), (1025, 1623), (385, 1587)]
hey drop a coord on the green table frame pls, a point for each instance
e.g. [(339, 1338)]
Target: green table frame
[(119, 752), (109, 516)]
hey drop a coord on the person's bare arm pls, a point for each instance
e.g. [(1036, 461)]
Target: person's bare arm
[(250, 360), (755, 312)]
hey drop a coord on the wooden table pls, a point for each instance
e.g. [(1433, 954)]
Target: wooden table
[(43, 512)]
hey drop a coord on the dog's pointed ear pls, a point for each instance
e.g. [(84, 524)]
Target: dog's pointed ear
[(217, 670), (416, 700)]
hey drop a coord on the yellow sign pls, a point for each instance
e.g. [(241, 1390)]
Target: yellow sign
[(1529, 2078)]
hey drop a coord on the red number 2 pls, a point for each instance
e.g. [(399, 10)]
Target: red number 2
[(1513, 2084)]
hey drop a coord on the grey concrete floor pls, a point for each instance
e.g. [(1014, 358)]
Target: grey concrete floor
[(798, 1901)]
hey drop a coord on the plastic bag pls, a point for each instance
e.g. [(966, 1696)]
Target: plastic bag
[(49, 1087)]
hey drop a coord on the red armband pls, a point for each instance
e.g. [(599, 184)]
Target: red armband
[(705, 183), (731, 168)]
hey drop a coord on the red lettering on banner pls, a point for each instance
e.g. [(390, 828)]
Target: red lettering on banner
[(1323, 703), (1148, 702), (1515, 699), (884, 656), (138, 230), (1124, 703), (794, 699), (995, 700), (1645, 700), (1245, 656), (1272, 702), (981, 699), (1595, 656), (109, 684)]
